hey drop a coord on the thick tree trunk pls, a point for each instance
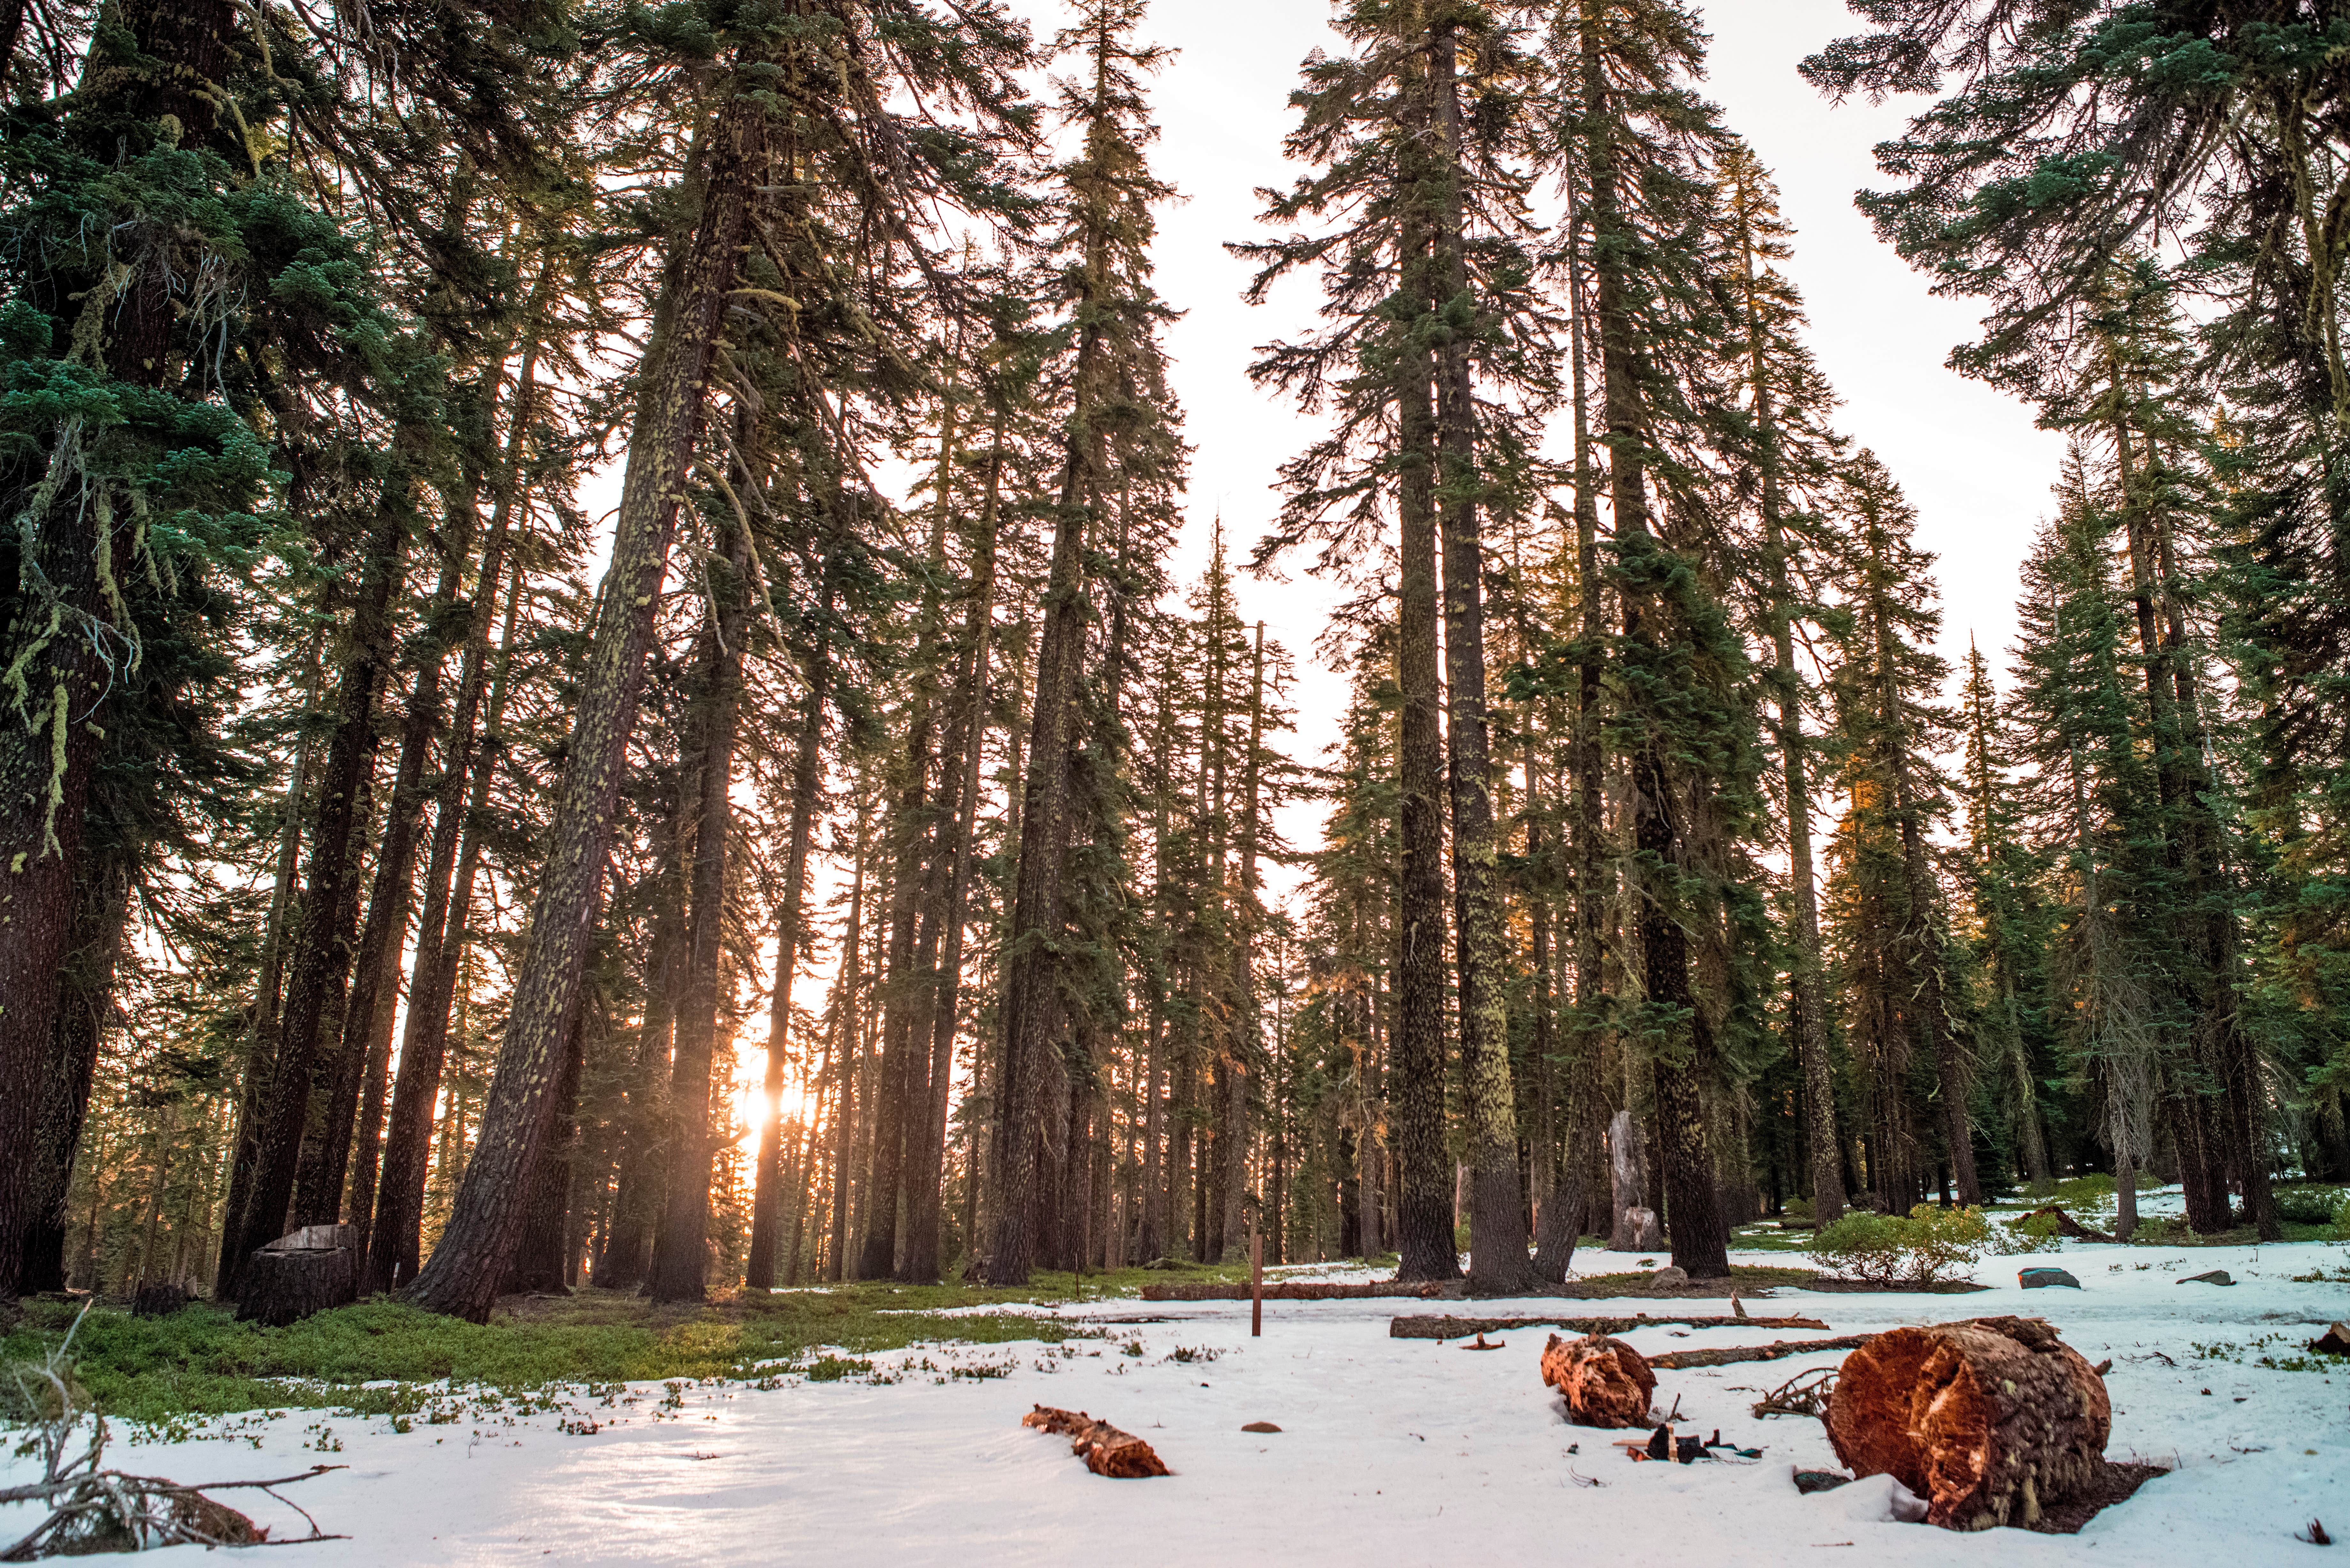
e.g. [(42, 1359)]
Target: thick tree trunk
[(1034, 960), (49, 744), (463, 1275), (680, 1248), (1497, 1231), (541, 1261), (85, 1006), (1416, 1068)]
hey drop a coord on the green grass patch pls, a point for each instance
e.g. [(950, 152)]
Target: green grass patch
[(200, 1362), (1766, 1237)]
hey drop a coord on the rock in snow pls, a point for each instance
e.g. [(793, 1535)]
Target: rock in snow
[(2041, 1279)]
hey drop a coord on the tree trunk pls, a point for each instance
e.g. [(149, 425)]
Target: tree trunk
[(680, 1247), (1497, 1231), (177, 59), (394, 1240), (1416, 1068), (807, 781), (541, 1260), (314, 991), (463, 1275), (1700, 1240), (1585, 1094), (960, 764), (85, 1008), (1035, 959)]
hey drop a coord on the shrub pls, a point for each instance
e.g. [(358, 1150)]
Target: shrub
[(1925, 1247), (2034, 1233), (2310, 1205)]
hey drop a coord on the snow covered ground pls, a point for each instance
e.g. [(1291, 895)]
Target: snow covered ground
[(1392, 1453)]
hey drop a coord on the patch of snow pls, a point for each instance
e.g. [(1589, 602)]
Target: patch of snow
[(1402, 1452)]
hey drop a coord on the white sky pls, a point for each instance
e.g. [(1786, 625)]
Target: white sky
[(1971, 459)]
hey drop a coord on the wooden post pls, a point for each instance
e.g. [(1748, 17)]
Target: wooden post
[(1256, 1282)]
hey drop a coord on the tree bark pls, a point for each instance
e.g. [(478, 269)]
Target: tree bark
[(1033, 954), (463, 1275), (1699, 1239), (1416, 1068), (86, 1006), (1497, 1229), (167, 81), (680, 1247), (961, 764)]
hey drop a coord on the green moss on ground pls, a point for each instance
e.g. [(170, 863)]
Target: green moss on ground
[(199, 1362)]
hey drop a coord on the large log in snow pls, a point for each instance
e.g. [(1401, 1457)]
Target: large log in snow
[(1605, 1381), (1105, 1450), (1991, 1420)]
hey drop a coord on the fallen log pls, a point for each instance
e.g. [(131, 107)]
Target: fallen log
[(1106, 1452), (1438, 1326), (1991, 1420), (1606, 1382), (1673, 1359), (1294, 1291), (2068, 1226)]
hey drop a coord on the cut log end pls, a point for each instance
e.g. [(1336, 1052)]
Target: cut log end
[(1991, 1420), (1107, 1450), (1606, 1382), (304, 1272)]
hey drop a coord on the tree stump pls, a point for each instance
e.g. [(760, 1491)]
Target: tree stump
[(1605, 1381), (1991, 1420), (310, 1270)]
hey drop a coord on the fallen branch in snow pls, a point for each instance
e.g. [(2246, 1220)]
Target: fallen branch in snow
[(95, 1510), (1107, 1450), (1434, 1326), (1294, 1291), (1805, 1394), (1673, 1359)]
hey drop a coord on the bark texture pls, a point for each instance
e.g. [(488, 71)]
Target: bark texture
[(1991, 1420), (1606, 1382), (463, 1276)]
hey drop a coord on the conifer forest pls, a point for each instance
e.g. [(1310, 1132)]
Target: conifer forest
[(611, 672)]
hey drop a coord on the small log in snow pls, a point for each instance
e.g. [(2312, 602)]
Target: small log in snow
[(1991, 1420), (1437, 1326), (1292, 1291), (1105, 1450), (1606, 1382), (1673, 1359)]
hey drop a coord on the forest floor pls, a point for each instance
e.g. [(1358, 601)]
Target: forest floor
[(865, 1426)]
